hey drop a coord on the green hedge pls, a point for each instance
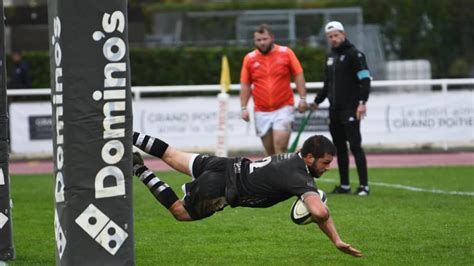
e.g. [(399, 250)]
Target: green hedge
[(438, 30), (182, 66), (243, 5), (39, 68)]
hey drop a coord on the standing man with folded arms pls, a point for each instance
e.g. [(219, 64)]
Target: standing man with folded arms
[(347, 87), (269, 69)]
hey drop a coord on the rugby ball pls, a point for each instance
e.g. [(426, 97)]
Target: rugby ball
[(300, 213)]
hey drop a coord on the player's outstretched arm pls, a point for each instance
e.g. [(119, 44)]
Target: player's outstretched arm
[(330, 230), (322, 217)]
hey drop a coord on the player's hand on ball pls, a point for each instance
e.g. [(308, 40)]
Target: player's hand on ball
[(245, 115), (348, 249)]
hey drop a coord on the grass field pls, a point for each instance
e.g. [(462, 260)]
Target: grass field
[(391, 226)]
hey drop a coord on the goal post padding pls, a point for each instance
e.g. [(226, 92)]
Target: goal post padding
[(7, 251), (92, 132)]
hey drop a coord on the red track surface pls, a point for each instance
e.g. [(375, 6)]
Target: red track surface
[(374, 160)]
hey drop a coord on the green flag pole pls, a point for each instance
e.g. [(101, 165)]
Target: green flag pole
[(293, 146)]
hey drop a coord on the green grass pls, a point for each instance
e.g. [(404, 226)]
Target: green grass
[(391, 226)]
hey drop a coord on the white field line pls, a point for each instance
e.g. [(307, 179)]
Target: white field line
[(410, 188)]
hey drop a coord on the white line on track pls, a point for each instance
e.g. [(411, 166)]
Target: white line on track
[(410, 188)]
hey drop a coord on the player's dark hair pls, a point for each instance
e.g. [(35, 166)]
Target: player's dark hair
[(318, 145), (262, 28)]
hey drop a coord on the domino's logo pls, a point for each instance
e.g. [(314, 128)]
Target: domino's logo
[(3, 217), (3, 220), (2, 178), (59, 235), (102, 229)]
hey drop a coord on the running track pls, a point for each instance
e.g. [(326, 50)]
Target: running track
[(373, 160)]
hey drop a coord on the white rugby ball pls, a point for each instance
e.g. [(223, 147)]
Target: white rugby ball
[(300, 213)]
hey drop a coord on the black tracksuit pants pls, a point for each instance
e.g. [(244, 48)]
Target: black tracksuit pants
[(345, 127)]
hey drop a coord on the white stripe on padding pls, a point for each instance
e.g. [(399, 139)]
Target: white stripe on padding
[(150, 142), (3, 220), (190, 165), (145, 175), (152, 182), (140, 139), (409, 188), (162, 187), (2, 177)]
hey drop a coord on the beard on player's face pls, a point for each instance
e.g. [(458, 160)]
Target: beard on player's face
[(265, 48), (313, 169), (336, 38)]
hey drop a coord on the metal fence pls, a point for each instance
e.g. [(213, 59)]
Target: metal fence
[(382, 85)]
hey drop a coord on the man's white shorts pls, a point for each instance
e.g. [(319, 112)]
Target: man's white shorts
[(280, 119)]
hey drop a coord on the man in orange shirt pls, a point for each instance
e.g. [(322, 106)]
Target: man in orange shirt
[(269, 69)]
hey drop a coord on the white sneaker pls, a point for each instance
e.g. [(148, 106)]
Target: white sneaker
[(362, 191)]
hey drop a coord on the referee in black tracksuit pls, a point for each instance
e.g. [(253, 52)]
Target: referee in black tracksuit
[(347, 86)]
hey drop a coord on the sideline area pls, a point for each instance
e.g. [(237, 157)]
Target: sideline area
[(373, 160)]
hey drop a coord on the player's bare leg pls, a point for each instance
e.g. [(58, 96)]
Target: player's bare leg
[(163, 193), (267, 141), (179, 212), (178, 160), (280, 140)]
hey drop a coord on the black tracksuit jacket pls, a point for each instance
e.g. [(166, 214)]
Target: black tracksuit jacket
[(347, 79)]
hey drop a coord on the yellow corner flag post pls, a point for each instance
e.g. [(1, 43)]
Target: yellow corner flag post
[(225, 75), (223, 99)]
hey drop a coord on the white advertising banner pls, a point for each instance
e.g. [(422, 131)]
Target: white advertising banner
[(420, 118), (191, 123), (30, 128)]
